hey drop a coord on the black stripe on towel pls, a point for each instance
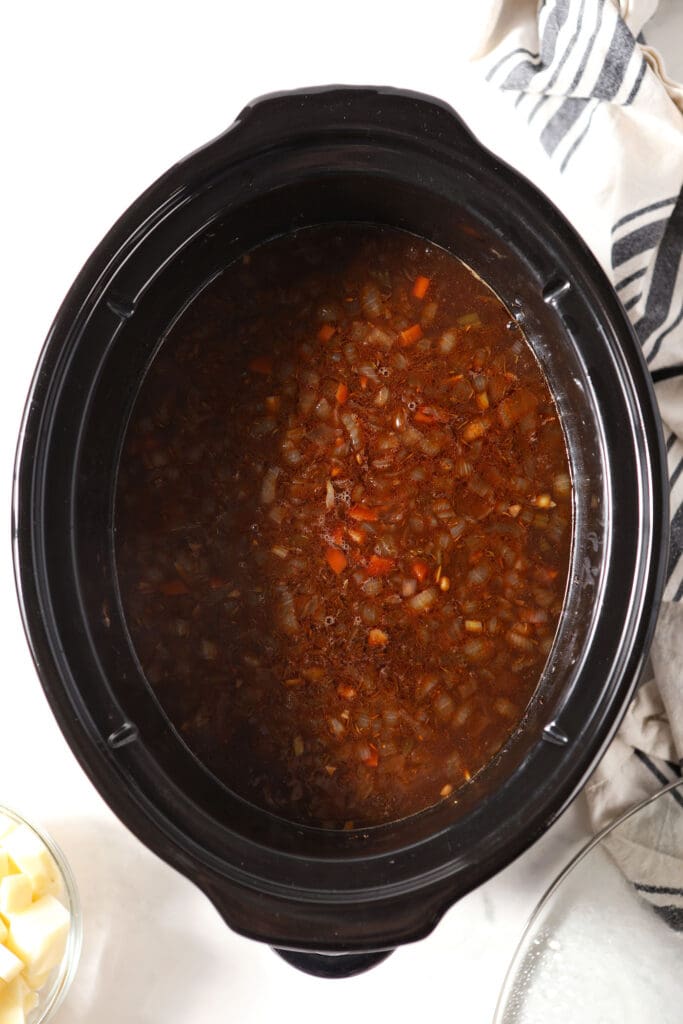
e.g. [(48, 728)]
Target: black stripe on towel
[(666, 373), (664, 890), (570, 46), (676, 542), (637, 241), (512, 53), (616, 64), (676, 473), (521, 75), (658, 343), (673, 916), (631, 278), (607, 86), (577, 142), (679, 593), (637, 84), (665, 271), (632, 302), (654, 770), (644, 209), (561, 122)]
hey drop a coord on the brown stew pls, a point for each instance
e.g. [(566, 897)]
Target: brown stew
[(343, 525)]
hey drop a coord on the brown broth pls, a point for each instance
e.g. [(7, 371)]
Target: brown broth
[(343, 525)]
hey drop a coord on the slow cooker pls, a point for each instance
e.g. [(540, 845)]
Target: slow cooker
[(334, 902)]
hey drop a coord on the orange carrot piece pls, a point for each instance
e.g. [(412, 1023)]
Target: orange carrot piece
[(338, 535), (326, 332), (363, 381), (411, 335), (262, 364), (363, 514), (347, 692), (476, 428), (378, 566), (420, 287), (173, 587), (430, 414), (420, 570), (372, 760), (336, 559), (424, 417), (336, 471), (342, 393)]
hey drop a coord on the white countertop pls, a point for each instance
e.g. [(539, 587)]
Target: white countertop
[(99, 100)]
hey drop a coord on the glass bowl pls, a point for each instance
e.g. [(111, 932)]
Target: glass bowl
[(52, 994), (604, 946)]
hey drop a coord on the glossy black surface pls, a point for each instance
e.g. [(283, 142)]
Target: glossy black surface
[(288, 161)]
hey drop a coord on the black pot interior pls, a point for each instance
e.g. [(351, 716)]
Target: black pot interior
[(484, 215), (331, 198)]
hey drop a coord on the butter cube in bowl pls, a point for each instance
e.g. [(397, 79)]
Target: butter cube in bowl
[(40, 923)]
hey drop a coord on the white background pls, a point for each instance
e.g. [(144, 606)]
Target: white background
[(98, 100)]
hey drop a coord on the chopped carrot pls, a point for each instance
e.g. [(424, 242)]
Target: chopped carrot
[(336, 471), (339, 442), (336, 559), (420, 570), (372, 759), (377, 638), (363, 381), (424, 415), (476, 428), (363, 514), (378, 566), (357, 536), (338, 535), (172, 588), (411, 335), (262, 364), (326, 332), (430, 414), (342, 393), (347, 692), (420, 287)]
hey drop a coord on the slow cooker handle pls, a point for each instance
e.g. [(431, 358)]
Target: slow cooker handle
[(332, 965), (370, 111)]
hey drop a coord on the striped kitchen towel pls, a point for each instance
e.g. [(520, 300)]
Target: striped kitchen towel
[(583, 81)]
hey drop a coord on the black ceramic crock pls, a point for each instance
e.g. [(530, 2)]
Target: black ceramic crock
[(335, 902)]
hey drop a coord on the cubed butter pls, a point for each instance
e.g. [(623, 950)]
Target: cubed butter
[(15, 894), (6, 825), (31, 1000), (4, 863), (12, 1002), (10, 965), (3, 930), (38, 934), (32, 858), (36, 981)]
